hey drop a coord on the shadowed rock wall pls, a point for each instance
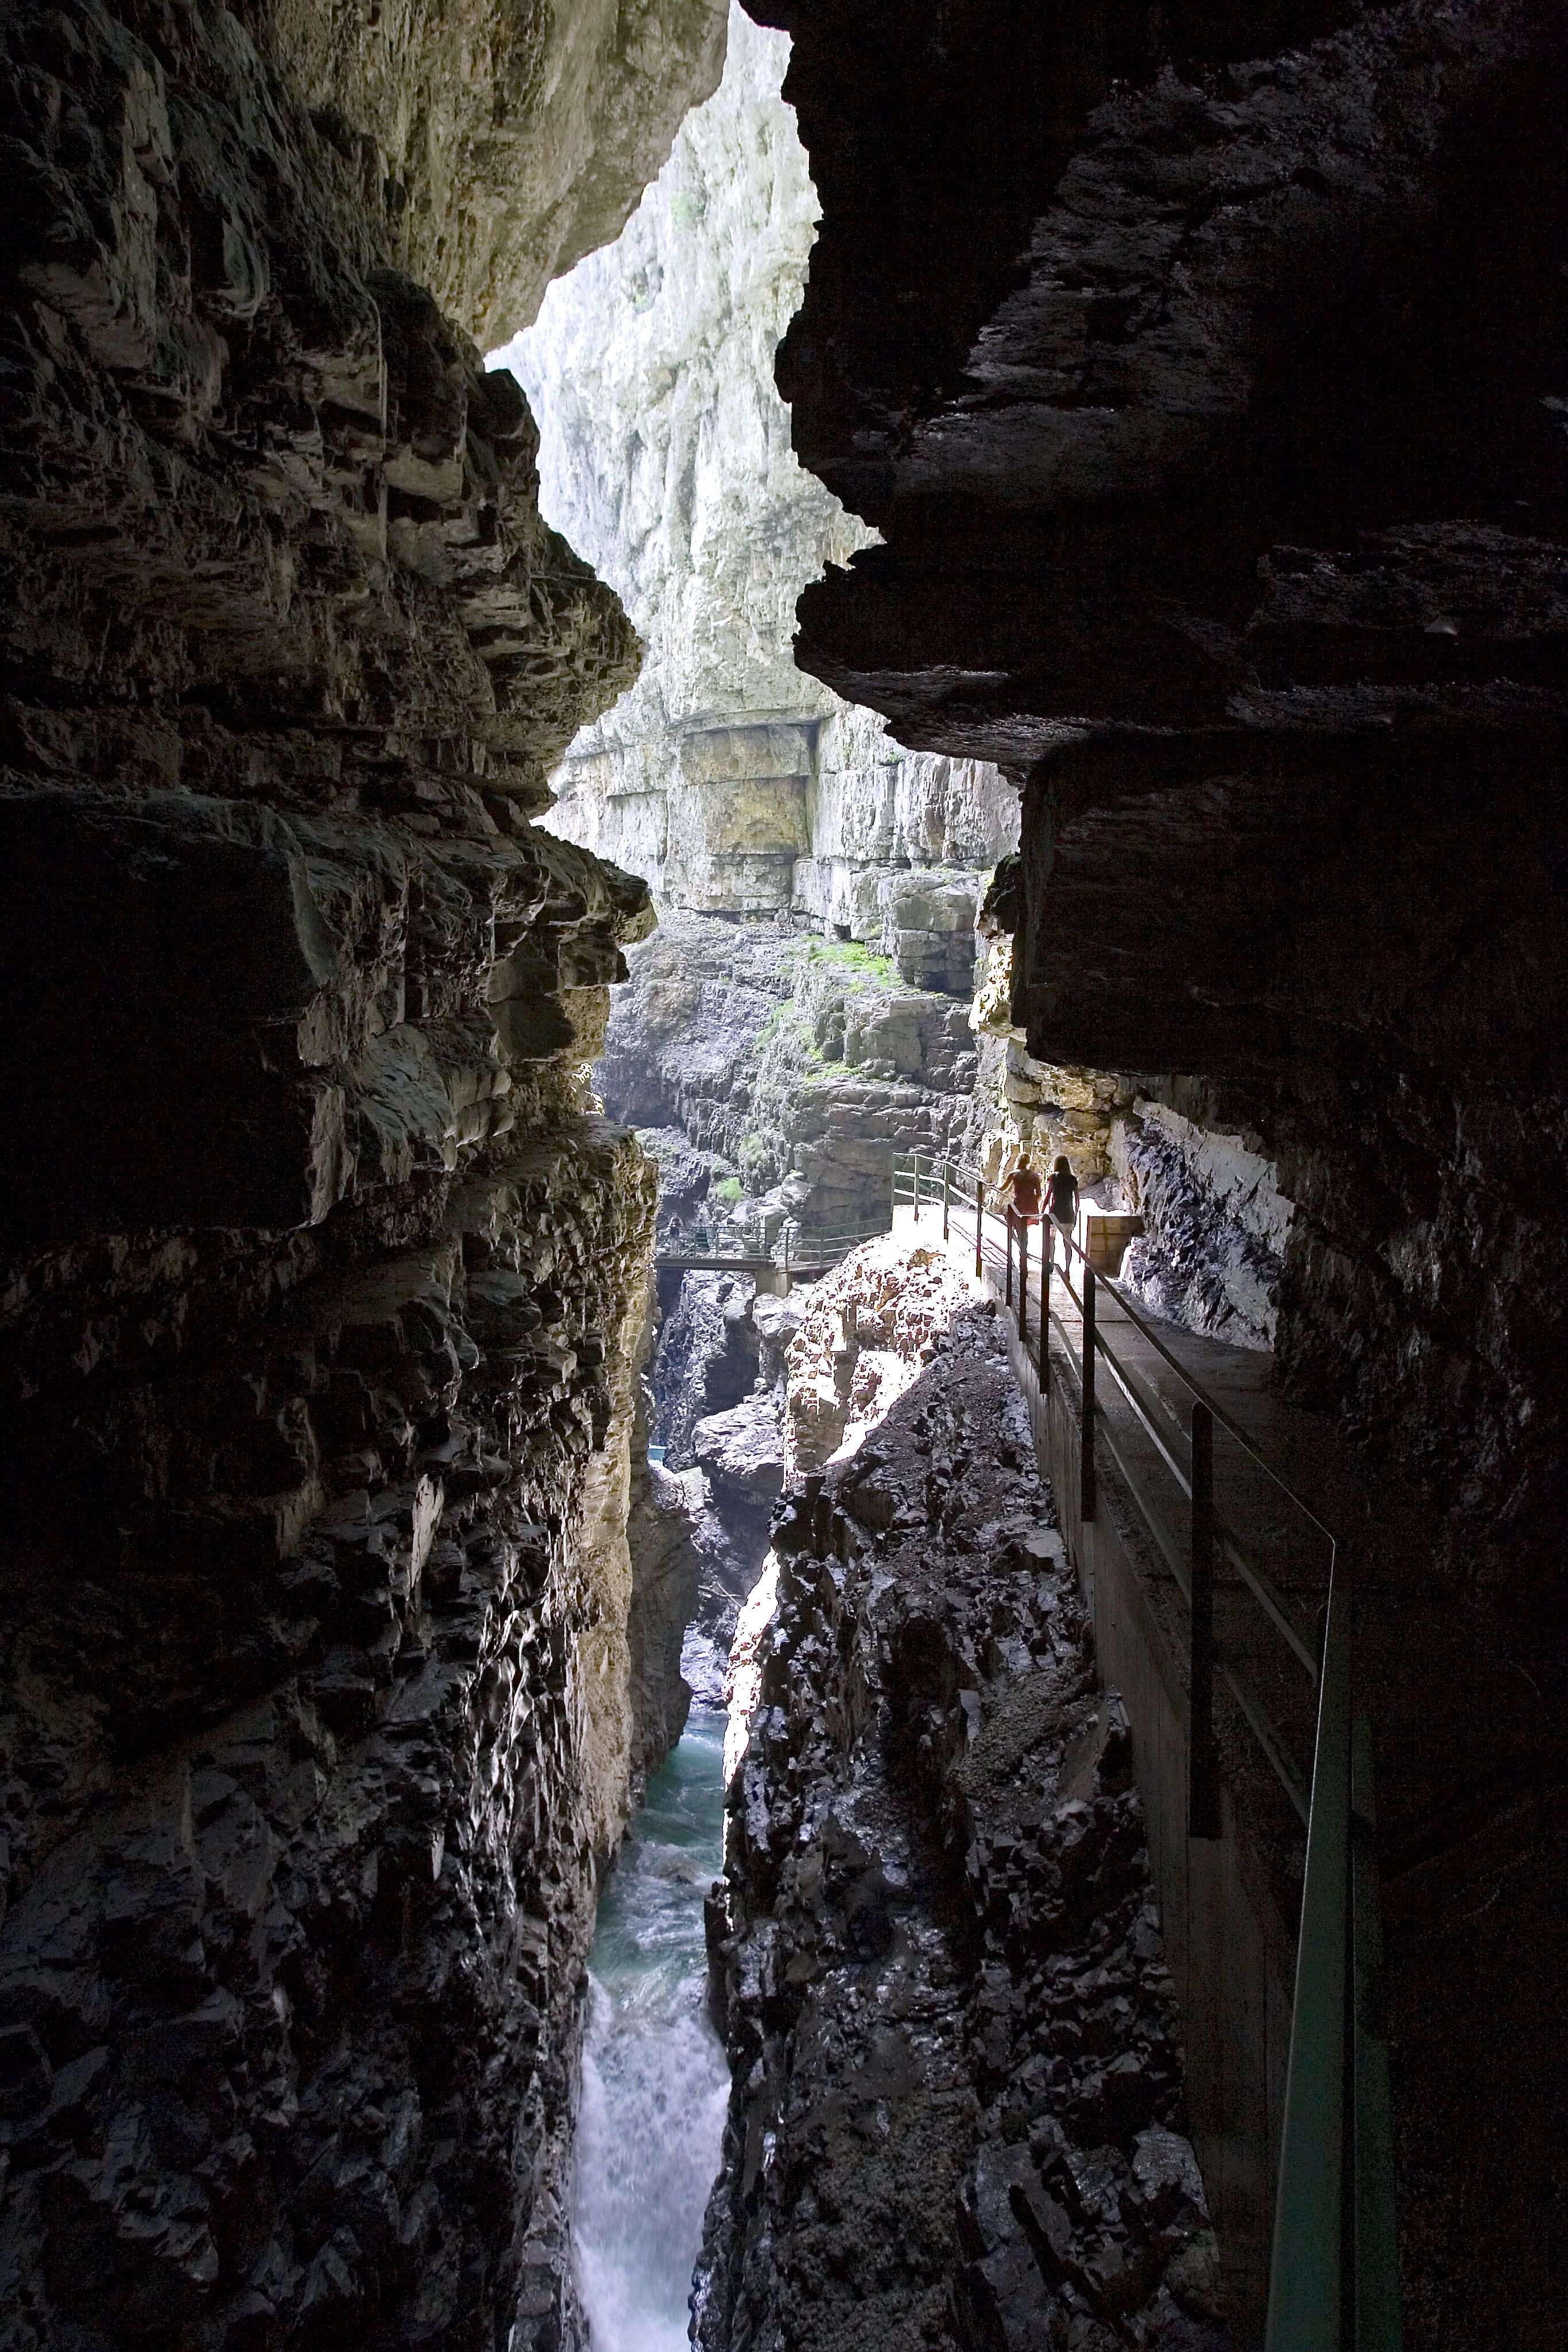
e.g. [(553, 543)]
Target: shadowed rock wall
[(957, 2104), (325, 1287), (1223, 496)]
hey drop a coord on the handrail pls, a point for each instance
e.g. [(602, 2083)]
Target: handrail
[(1231, 1427), (1333, 2272), (1260, 1585)]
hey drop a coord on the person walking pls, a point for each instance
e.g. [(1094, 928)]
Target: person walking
[(1025, 1186), (1062, 1202)]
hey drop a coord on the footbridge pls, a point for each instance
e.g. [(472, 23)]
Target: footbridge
[(794, 1255)]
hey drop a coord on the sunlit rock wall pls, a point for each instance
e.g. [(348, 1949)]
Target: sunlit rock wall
[(727, 778), (666, 449)]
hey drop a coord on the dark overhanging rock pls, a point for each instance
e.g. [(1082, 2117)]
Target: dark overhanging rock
[(1224, 500)]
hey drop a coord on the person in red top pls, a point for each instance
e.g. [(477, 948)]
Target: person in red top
[(1026, 1192)]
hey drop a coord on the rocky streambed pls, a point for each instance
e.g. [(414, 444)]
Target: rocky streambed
[(957, 2114)]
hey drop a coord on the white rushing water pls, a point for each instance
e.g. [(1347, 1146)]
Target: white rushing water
[(654, 2082)]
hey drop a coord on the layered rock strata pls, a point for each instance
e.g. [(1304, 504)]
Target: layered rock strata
[(801, 1065), (957, 2091), (1212, 424), (324, 1286)]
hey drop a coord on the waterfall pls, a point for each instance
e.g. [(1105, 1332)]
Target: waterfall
[(654, 2081)]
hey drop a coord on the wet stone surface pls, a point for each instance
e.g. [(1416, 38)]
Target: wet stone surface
[(957, 2109)]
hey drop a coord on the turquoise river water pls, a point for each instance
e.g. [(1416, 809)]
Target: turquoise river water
[(655, 2083)]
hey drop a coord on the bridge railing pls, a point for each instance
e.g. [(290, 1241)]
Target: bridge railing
[(1334, 2274), (792, 1247)]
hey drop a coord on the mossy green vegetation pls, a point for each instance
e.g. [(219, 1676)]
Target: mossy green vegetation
[(851, 956)]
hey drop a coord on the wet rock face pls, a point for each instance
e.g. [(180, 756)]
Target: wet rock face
[(1223, 491), (303, 1788), (708, 1358), (717, 1389), (957, 2093), (322, 1290), (1216, 1225)]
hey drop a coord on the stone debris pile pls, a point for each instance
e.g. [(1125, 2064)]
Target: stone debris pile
[(957, 2111), (872, 1324)]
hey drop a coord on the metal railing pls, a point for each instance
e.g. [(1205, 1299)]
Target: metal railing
[(1333, 2273)]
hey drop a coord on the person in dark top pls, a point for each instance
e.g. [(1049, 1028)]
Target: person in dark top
[(1062, 1200)]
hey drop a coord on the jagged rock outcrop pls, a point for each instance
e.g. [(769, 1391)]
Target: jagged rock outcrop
[(1213, 428), (502, 149), (956, 2111), (870, 1327), (323, 1289)]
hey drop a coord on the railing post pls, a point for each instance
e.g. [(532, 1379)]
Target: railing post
[(1045, 1265), (947, 1194), (1008, 1293), (893, 1193), (1202, 1758), (1306, 2280), (1023, 1280), (1088, 1491), (915, 1157), (1375, 2262), (980, 1225)]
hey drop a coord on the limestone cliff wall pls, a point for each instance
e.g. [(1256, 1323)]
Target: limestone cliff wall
[(324, 1286), (800, 1065), (667, 450), (728, 777)]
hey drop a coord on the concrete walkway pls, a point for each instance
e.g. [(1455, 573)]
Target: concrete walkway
[(1469, 1714)]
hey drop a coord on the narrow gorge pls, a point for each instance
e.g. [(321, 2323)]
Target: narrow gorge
[(658, 651)]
